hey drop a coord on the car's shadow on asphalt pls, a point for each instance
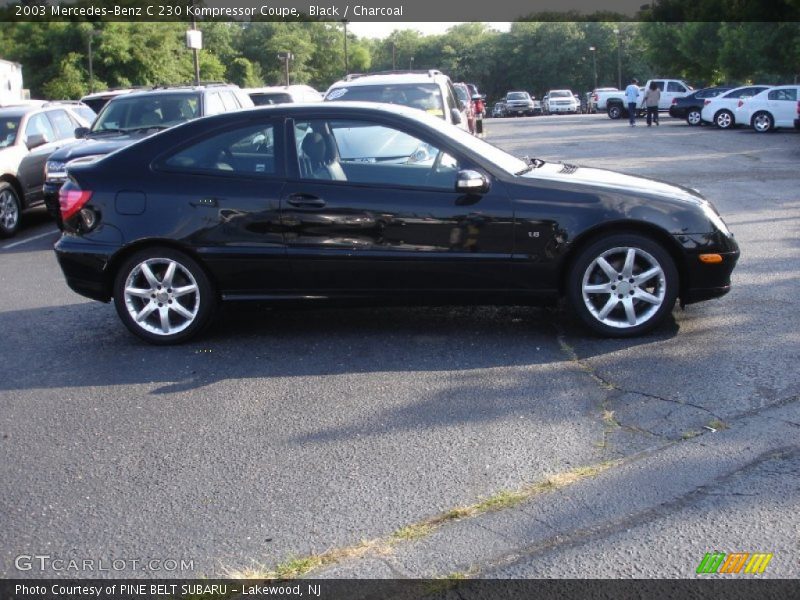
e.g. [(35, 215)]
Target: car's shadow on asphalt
[(86, 345)]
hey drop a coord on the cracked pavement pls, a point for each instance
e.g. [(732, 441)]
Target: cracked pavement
[(290, 432)]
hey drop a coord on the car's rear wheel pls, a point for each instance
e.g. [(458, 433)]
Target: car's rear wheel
[(724, 119), (623, 285), (693, 117), (163, 296), (10, 210), (615, 111), (762, 122)]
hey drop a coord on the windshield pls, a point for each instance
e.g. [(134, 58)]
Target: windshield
[(271, 98), (9, 126), (424, 96), (560, 94), (146, 112), (517, 96)]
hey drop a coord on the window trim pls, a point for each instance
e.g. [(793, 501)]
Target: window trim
[(159, 163), (293, 163)]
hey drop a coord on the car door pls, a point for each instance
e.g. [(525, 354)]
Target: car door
[(373, 208), (672, 90), (31, 168), (232, 179), (782, 103)]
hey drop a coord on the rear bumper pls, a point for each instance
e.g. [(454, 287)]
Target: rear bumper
[(85, 267)]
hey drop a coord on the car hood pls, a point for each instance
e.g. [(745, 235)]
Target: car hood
[(91, 146), (612, 180)]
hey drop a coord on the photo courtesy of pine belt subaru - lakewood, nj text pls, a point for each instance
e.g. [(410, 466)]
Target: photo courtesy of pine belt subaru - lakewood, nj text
[(385, 204)]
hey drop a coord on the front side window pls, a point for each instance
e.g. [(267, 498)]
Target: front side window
[(39, 125), (674, 86), (370, 153), (244, 151)]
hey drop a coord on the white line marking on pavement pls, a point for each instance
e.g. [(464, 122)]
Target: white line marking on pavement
[(36, 237)]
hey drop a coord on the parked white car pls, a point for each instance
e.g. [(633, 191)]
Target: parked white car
[(282, 94), (563, 101), (720, 110), (771, 109), (615, 105)]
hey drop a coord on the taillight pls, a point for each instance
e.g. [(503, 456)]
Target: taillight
[(706, 102), (674, 100), (740, 103), (798, 108), (597, 97), (71, 201)]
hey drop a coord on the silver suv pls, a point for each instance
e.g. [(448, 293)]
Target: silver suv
[(431, 91)]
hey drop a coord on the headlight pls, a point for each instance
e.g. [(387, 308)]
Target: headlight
[(716, 219)]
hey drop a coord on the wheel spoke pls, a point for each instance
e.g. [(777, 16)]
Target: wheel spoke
[(610, 271), (630, 313), (149, 276), (163, 312), (609, 306), (627, 268), (646, 276), (166, 281), (181, 310), (138, 292), (182, 291), (646, 296), (600, 288), (146, 311)]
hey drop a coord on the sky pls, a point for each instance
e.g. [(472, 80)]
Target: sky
[(383, 29)]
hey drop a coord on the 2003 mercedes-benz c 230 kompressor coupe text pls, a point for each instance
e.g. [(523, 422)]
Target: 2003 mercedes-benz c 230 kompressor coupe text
[(375, 203)]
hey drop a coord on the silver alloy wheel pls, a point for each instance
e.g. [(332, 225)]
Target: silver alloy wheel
[(624, 287), (9, 210), (693, 117), (762, 122), (162, 296), (724, 119)]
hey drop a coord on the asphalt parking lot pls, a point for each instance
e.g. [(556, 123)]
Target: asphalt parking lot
[(284, 434)]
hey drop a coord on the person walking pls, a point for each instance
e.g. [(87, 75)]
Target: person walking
[(651, 99), (631, 98)]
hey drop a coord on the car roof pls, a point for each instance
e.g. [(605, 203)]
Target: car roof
[(409, 77), (271, 89), (16, 110)]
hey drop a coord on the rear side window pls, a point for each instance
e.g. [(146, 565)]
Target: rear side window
[(229, 100), (246, 150), (660, 86), (214, 105), (787, 94), (674, 86)]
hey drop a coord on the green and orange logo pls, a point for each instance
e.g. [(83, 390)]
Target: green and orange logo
[(719, 562)]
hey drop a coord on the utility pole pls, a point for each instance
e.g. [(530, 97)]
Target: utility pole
[(286, 57), (394, 56), (195, 52), (346, 62), (91, 70), (593, 50), (619, 59)]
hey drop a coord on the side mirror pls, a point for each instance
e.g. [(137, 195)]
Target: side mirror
[(471, 182), (456, 116), (36, 140), (81, 132)]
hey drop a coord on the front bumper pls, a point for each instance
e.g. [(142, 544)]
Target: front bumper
[(703, 281)]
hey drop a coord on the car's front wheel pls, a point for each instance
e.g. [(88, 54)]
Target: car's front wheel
[(762, 122), (10, 210), (623, 285), (163, 296), (724, 119), (693, 117)]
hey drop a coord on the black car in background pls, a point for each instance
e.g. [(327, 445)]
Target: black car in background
[(689, 107), (381, 203), (130, 116)]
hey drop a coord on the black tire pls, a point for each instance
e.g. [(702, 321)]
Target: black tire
[(724, 119), (10, 210), (615, 111), (762, 122), (200, 303), (661, 286), (693, 117)]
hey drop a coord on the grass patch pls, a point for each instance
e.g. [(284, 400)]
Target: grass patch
[(412, 532), (687, 435), (717, 424)]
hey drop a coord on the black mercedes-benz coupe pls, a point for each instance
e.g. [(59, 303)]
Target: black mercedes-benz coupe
[(378, 204)]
